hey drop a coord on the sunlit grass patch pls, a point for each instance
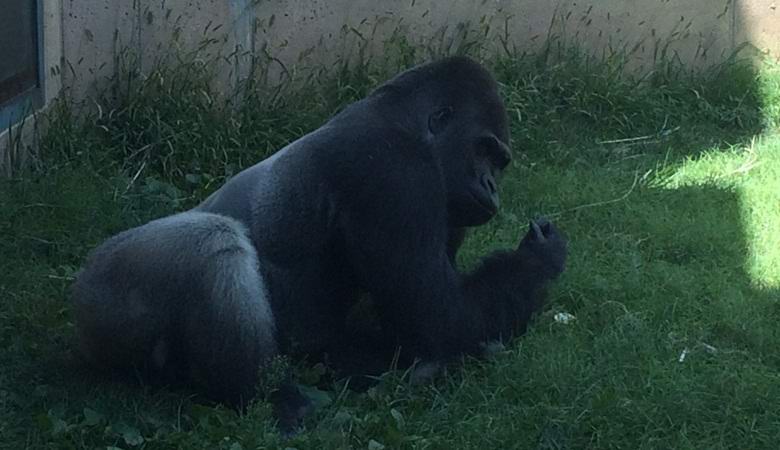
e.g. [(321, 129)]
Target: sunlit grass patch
[(752, 171)]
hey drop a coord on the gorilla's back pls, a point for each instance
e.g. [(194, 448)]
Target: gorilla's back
[(281, 200)]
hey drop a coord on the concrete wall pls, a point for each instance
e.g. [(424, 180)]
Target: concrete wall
[(305, 32), (99, 34), (94, 36)]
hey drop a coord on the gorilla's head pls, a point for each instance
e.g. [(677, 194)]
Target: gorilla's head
[(472, 139), (456, 106), (469, 132), (453, 103)]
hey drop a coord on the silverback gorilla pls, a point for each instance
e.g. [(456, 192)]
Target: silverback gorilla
[(375, 201)]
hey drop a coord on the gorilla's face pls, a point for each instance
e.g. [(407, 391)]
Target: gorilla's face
[(472, 142)]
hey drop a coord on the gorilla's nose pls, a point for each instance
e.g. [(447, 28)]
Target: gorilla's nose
[(489, 184)]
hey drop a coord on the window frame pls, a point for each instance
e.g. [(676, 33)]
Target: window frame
[(25, 103)]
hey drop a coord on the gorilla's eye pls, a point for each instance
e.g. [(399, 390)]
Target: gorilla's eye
[(439, 120)]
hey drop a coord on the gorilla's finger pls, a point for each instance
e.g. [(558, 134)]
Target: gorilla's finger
[(548, 229), (542, 222), (537, 232)]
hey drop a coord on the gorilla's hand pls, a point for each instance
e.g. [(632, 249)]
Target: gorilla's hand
[(545, 242)]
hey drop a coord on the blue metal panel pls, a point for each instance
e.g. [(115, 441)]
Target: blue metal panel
[(18, 108)]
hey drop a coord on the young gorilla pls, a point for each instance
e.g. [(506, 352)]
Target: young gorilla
[(373, 201)]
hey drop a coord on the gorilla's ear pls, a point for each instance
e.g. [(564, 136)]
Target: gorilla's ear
[(439, 119)]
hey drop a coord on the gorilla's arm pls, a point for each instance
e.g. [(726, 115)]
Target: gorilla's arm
[(400, 251), (437, 313), (510, 285)]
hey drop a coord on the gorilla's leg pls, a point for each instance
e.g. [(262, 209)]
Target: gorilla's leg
[(180, 299)]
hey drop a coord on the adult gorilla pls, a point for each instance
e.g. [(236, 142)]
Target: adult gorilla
[(373, 201)]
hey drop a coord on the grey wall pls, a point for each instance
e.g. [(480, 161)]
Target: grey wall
[(306, 32)]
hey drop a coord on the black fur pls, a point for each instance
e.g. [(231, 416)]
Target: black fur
[(376, 201)]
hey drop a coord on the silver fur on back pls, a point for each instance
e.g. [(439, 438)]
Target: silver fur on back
[(185, 291)]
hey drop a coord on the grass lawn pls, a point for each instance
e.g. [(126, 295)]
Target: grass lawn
[(669, 192)]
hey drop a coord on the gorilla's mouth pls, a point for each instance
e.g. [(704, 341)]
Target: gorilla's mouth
[(480, 211), (488, 204)]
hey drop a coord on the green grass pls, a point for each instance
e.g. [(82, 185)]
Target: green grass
[(668, 189)]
